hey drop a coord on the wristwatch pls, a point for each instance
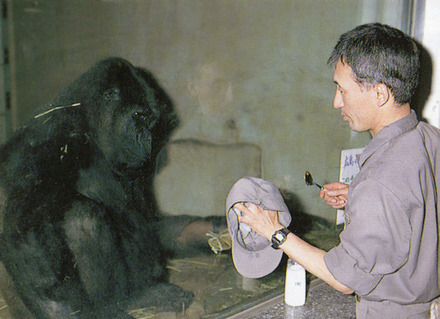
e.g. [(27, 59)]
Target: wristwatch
[(279, 237)]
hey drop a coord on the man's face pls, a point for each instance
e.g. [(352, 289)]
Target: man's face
[(357, 103)]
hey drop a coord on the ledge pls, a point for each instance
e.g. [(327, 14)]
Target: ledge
[(322, 302)]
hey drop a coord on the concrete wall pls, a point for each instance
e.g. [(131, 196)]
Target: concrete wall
[(238, 71)]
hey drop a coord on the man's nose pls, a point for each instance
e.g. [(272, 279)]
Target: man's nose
[(337, 101)]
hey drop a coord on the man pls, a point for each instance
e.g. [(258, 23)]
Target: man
[(388, 254)]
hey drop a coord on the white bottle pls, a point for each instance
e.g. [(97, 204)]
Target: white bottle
[(295, 290)]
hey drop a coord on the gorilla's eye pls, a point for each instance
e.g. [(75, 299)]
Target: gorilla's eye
[(112, 94), (140, 115), (145, 118)]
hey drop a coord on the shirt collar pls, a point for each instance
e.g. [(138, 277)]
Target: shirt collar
[(389, 132)]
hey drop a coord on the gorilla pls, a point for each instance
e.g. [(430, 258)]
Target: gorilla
[(80, 224)]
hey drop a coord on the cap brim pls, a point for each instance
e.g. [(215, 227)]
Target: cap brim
[(255, 264)]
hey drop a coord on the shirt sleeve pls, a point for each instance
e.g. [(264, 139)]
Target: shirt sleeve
[(375, 241)]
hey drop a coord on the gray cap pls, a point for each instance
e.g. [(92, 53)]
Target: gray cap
[(252, 253)]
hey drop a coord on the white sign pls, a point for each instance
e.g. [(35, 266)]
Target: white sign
[(349, 169)]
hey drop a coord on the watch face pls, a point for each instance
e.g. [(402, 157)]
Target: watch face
[(279, 236)]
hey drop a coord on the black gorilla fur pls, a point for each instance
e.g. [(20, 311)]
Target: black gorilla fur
[(79, 238)]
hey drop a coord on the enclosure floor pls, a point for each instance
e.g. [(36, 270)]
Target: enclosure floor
[(322, 302), (216, 285), (221, 292)]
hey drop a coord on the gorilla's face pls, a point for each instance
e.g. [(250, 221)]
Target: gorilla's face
[(127, 115), (125, 134), (126, 118)]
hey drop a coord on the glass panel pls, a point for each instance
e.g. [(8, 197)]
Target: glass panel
[(253, 93)]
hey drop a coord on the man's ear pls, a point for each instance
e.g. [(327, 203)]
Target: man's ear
[(382, 93)]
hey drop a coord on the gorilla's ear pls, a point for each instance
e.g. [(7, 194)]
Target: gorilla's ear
[(112, 94)]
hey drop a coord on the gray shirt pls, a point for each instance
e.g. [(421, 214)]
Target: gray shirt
[(389, 246)]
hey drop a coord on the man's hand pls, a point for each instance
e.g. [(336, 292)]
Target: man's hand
[(264, 222), (335, 194)]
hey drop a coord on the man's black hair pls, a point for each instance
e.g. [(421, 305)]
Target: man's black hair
[(378, 53)]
